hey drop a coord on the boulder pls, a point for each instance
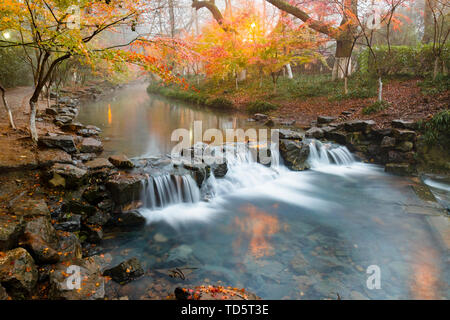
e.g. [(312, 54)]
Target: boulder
[(220, 170), (121, 161), (260, 117), (93, 233), (325, 119), (99, 218), (125, 271), (289, 134), (18, 273), (70, 223), (314, 132), (10, 231), (52, 111), (66, 175), (125, 188), (62, 142), (98, 163), (405, 146), (91, 145), (61, 120), (30, 208), (129, 220), (48, 157), (405, 135), (64, 285), (404, 124), (388, 142), (95, 194), (69, 247), (295, 154), (84, 156), (78, 207), (40, 238), (336, 136), (359, 125)]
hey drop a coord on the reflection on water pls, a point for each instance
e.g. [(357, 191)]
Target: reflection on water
[(282, 234), (137, 124)]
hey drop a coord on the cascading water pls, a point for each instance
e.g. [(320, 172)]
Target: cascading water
[(162, 191), (324, 154)]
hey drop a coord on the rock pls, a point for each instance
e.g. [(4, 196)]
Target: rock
[(295, 154), (359, 125), (63, 142), (160, 238), (3, 294), (93, 233), (289, 134), (260, 117), (30, 208), (91, 127), (405, 135), (388, 142), (40, 238), (67, 175), (49, 157), (402, 169), (95, 194), (78, 207), (399, 157), (51, 111), (315, 133), (220, 170), (336, 136), (125, 188), (71, 224), (99, 218), (62, 120), (18, 273), (69, 246), (10, 231), (72, 126), (404, 124), (129, 219), (325, 119), (98, 163), (92, 283), (126, 271), (405, 146), (106, 205), (91, 145), (84, 156), (121, 161)]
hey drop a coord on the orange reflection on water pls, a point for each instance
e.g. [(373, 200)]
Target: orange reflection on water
[(426, 275), (109, 114), (258, 226)]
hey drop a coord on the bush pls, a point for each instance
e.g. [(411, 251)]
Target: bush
[(178, 94), (260, 107), (437, 130), (13, 70), (375, 107), (403, 60), (432, 87), (220, 103)]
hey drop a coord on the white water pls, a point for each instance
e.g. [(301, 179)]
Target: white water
[(176, 199)]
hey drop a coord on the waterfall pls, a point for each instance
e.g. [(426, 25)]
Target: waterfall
[(323, 154), (162, 191)]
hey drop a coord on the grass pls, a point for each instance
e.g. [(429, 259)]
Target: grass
[(260, 107), (437, 130), (375, 107)]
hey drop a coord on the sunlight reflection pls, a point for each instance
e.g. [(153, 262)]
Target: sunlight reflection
[(109, 114)]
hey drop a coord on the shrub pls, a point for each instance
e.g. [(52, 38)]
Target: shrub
[(220, 103), (432, 87), (13, 70), (375, 107), (437, 130), (260, 107)]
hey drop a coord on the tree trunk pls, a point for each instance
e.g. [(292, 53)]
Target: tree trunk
[(346, 85), (428, 21), (33, 131), (343, 58), (8, 110), (436, 68), (289, 71), (380, 90)]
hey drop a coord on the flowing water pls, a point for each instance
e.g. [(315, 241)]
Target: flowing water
[(280, 234)]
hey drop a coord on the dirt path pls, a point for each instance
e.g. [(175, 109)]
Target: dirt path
[(17, 149)]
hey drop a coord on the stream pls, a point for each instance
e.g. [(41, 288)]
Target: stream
[(278, 233)]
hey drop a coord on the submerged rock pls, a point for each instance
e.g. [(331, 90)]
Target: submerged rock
[(129, 219), (18, 273), (125, 271), (295, 154)]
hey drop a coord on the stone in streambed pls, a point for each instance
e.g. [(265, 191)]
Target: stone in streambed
[(121, 161), (125, 188), (290, 134), (91, 145), (130, 219), (18, 273), (64, 142), (30, 208), (314, 132), (66, 175), (295, 154), (48, 157), (98, 163), (10, 231), (125, 271)]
